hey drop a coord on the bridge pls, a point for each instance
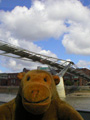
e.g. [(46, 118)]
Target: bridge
[(9, 50), (63, 66)]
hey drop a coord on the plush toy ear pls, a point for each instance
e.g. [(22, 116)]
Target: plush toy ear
[(20, 75), (56, 79)]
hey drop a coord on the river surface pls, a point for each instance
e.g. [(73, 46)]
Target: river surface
[(77, 102)]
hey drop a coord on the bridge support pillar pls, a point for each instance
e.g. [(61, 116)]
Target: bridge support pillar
[(61, 88)]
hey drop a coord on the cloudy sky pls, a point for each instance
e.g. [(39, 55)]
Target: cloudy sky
[(58, 28)]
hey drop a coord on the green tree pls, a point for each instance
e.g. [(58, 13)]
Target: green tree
[(68, 82)]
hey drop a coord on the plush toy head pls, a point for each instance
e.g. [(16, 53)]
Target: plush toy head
[(37, 90)]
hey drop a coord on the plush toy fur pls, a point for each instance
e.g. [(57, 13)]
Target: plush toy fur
[(37, 99)]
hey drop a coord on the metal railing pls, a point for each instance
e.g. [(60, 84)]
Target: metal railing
[(10, 50)]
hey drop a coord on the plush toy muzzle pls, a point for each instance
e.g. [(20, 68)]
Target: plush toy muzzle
[(36, 98)]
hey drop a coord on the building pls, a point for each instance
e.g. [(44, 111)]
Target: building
[(70, 79), (75, 80), (3, 79), (10, 79)]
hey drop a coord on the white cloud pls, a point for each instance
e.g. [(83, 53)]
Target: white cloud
[(83, 64), (12, 63), (49, 18), (31, 24), (16, 65), (76, 17), (77, 40), (46, 19), (67, 9), (0, 71)]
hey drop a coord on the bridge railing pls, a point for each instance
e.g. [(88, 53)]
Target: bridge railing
[(20, 53)]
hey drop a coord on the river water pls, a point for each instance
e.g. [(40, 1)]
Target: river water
[(77, 102)]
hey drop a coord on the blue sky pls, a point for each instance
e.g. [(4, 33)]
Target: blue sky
[(9, 4), (55, 28)]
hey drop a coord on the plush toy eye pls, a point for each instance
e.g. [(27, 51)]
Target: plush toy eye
[(45, 79), (28, 78)]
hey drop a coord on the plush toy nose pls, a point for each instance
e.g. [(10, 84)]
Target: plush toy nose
[(34, 93)]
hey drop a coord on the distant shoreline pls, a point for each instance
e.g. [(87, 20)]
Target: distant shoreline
[(79, 94), (70, 90)]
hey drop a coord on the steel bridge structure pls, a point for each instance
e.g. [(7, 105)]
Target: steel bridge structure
[(17, 52)]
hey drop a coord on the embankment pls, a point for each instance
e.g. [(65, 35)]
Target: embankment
[(68, 89), (77, 91), (9, 89)]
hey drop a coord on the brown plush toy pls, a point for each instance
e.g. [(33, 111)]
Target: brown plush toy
[(37, 99)]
